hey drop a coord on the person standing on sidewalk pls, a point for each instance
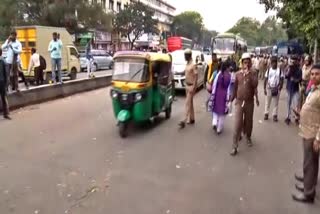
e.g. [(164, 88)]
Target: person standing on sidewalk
[(3, 87), (55, 49), (191, 80), (273, 84), (35, 63), (294, 77), (89, 59), (245, 90), (14, 49), (310, 133)]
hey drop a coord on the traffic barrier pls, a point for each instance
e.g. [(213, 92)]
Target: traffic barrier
[(50, 92)]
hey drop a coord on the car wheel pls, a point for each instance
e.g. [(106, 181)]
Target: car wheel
[(73, 74), (95, 67)]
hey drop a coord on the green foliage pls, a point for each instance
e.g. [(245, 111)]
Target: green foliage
[(75, 15), (206, 37), (135, 20), (300, 17), (189, 24), (256, 34)]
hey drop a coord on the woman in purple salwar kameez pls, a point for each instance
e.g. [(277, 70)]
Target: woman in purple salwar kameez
[(220, 96)]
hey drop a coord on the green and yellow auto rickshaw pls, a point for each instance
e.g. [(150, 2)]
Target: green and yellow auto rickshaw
[(141, 87)]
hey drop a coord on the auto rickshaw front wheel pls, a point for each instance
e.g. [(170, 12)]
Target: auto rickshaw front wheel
[(168, 112), (123, 129)]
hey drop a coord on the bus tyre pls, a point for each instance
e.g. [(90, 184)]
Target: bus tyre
[(168, 112), (123, 129), (73, 74)]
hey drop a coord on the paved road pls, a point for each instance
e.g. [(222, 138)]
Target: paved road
[(65, 156), (81, 75)]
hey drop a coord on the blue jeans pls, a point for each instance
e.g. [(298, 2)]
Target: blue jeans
[(56, 67), (292, 102)]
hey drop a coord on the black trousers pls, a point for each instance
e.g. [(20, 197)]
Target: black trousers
[(310, 167), (4, 99), (38, 73)]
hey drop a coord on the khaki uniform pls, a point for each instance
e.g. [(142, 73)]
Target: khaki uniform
[(306, 72), (191, 84), (244, 92), (309, 131)]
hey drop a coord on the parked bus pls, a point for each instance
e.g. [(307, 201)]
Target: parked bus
[(227, 44), (178, 43), (288, 48)]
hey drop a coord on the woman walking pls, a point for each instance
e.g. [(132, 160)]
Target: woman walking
[(220, 96)]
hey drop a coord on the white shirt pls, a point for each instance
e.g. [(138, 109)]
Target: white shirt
[(34, 61), (274, 76), (12, 48)]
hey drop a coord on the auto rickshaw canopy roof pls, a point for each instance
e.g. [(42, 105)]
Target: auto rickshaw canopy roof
[(143, 55)]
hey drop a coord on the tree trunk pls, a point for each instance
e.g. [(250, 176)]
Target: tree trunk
[(316, 50)]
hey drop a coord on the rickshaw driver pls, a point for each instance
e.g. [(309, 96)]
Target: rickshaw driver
[(191, 79)]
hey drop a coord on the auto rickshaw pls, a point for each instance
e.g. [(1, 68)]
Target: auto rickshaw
[(141, 87)]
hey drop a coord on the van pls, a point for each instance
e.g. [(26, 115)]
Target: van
[(179, 64), (39, 37)]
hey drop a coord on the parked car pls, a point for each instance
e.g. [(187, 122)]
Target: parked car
[(179, 65), (101, 60)]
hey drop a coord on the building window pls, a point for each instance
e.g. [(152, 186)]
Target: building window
[(118, 6), (111, 5)]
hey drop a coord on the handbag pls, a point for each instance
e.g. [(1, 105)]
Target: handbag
[(274, 91)]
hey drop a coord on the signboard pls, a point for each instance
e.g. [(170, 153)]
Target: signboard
[(103, 37)]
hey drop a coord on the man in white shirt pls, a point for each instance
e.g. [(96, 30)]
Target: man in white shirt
[(35, 63), (272, 86), (14, 49)]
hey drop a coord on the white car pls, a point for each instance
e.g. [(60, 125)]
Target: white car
[(179, 65), (101, 60)]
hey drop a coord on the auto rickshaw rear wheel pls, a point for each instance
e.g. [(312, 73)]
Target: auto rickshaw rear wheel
[(123, 129), (168, 112)]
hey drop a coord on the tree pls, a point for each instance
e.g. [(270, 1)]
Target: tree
[(206, 36), (268, 33), (135, 20), (75, 15), (302, 16), (189, 24)]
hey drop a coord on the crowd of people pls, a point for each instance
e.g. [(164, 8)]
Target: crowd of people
[(227, 87)]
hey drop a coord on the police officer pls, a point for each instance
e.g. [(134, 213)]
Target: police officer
[(191, 75)]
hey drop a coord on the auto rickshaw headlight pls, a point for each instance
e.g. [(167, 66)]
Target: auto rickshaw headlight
[(138, 97), (114, 94)]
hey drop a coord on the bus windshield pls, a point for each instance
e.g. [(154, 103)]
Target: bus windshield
[(131, 70), (224, 44)]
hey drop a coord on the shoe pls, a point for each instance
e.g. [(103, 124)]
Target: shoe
[(287, 121), (234, 152), (298, 177), (219, 132), (214, 128), (249, 142), (7, 117), (300, 187), (191, 122), (182, 125), (275, 118), (266, 117), (303, 198)]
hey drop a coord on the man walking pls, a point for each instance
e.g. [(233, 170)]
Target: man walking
[(245, 89), (273, 84), (14, 49), (191, 75), (3, 88), (55, 49), (294, 77), (310, 132), (89, 59)]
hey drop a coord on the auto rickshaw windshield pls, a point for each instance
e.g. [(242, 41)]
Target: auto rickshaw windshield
[(131, 70)]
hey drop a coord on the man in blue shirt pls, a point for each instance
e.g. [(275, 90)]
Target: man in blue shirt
[(294, 77), (14, 49), (55, 49)]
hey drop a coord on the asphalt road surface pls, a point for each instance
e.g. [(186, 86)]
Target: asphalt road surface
[(65, 156)]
